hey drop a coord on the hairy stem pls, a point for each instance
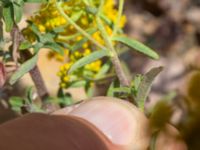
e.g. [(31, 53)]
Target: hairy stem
[(35, 74), (37, 78), (16, 40), (114, 56), (39, 83)]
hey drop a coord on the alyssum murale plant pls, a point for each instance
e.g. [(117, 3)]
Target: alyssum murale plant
[(49, 18)]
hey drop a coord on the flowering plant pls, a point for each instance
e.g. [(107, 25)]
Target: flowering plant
[(86, 35)]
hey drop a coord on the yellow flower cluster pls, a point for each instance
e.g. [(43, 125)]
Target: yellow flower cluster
[(48, 18), (66, 79)]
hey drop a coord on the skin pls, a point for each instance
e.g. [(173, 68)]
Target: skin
[(101, 123)]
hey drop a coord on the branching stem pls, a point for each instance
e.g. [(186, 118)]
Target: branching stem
[(114, 56), (78, 28)]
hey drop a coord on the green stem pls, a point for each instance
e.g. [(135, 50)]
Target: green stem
[(117, 22), (58, 5)]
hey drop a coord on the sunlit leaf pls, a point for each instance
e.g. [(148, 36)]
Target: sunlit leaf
[(81, 83), (16, 101), (25, 45), (76, 15), (18, 12), (88, 59), (8, 17)]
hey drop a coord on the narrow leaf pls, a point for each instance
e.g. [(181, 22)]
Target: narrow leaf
[(113, 85), (138, 46), (47, 38), (110, 90), (24, 68), (55, 47), (104, 69), (76, 84), (25, 45), (37, 47), (18, 12), (76, 16), (145, 86), (16, 101), (8, 17), (79, 44), (88, 59)]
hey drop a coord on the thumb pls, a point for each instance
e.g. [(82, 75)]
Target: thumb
[(122, 123)]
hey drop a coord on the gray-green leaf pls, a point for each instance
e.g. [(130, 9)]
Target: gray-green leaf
[(88, 59), (23, 69), (55, 47), (8, 17), (137, 46), (18, 12), (145, 86)]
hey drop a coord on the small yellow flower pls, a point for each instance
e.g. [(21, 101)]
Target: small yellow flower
[(78, 38), (85, 45), (63, 85), (87, 52), (41, 28), (66, 78)]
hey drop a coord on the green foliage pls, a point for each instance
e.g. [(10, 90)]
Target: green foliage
[(88, 59), (140, 47), (143, 86), (26, 104), (104, 48), (24, 68), (45, 40), (64, 99), (13, 11), (25, 45), (16, 103), (8, 17)]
